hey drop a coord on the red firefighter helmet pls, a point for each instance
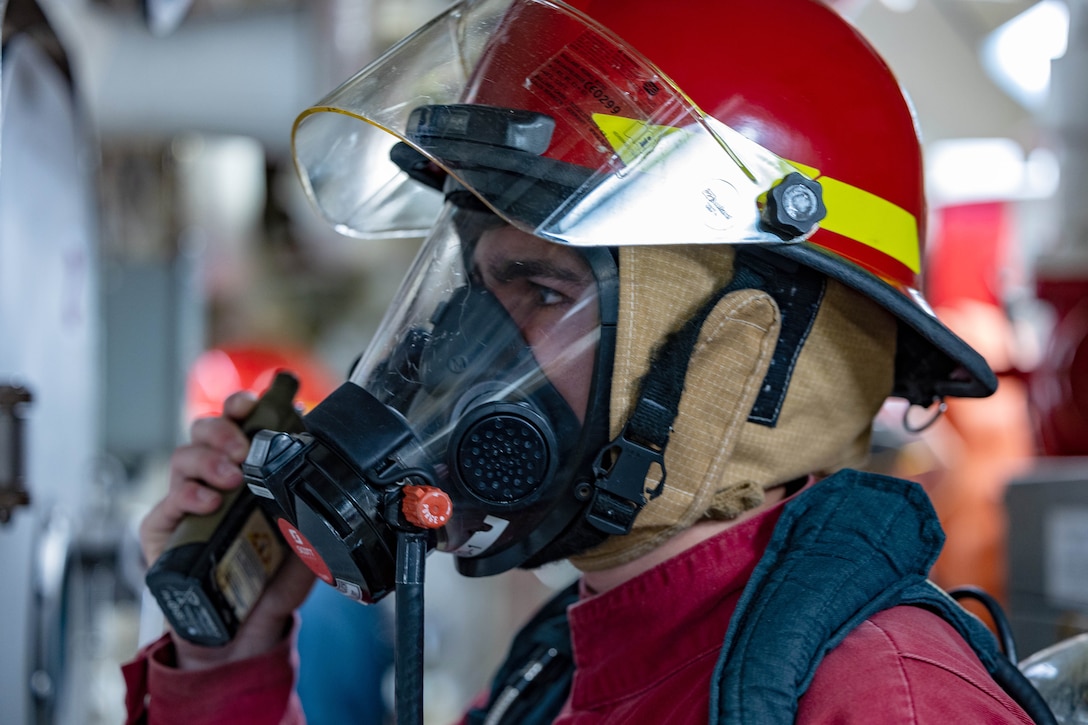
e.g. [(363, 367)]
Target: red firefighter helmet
[(608, 122)]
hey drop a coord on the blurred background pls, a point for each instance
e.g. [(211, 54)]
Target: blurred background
[(157, 253)]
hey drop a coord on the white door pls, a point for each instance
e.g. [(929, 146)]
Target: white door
[(48, 334)]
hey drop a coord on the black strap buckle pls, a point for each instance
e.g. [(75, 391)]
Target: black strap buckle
[(620, 478)]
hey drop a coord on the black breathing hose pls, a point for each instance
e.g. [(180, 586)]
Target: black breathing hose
[(1019, 687), (1005, 672), (1001, 622), (408, 649)]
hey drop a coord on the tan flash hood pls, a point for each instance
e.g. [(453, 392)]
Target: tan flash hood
[(718, 463)]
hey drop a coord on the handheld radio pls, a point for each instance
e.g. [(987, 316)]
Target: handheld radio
[(216, 566)]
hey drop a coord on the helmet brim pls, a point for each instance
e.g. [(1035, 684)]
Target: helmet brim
[(932, 362)]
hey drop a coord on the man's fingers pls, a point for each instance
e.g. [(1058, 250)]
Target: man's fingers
[(239, 405), (215, 467), (199, 473), (220, 434), (188, 498)]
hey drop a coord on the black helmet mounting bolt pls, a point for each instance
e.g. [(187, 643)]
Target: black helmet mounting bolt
[(794, 206)]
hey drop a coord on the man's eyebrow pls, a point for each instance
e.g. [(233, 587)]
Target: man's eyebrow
[(509, 270)]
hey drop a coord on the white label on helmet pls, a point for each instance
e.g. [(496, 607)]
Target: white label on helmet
[(721, 200), (483, 539)]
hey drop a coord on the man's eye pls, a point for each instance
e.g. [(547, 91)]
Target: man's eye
[(548, 296)]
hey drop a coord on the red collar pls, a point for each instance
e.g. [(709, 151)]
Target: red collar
[(665, 618)]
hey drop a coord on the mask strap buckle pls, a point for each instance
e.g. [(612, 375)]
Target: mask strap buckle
[(621, 469), (622, 466)]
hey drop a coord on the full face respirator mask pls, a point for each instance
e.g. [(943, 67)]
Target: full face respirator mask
[(473, 416)]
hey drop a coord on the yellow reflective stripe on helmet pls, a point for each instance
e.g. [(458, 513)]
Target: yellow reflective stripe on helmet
[(868, 219), (851, 212)]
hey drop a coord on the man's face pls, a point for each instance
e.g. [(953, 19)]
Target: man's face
[(549, 291)]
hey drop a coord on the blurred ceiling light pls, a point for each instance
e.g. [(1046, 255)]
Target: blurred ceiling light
[(222, 182), (165, 16), (899, 6), (1017, 54), (988, 169)]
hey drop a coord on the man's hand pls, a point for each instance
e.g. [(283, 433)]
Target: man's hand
[(199, 471)]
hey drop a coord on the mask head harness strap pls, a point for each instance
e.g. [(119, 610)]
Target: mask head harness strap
[(623, 465)]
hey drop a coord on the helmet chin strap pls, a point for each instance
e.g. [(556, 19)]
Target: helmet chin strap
[(624, 464)]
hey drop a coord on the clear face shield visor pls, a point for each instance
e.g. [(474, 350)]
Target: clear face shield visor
[(555, 125)]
